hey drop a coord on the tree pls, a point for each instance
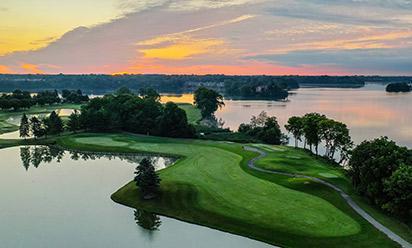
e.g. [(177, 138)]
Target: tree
[(208, 101), (173, 122), (147, 179), (73, 123), (399, 189), (295, 127), (24, 128), (36, 127), (149, 93), (53, 124), (312, 129), (263, 128), (270, 133), (372, 163)]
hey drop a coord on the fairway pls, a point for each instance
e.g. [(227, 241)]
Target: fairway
[(9, 119), (210, 185)]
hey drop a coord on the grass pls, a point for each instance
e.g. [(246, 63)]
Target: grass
[(211, 185), (6, 125), (193, 114), (300, 161)]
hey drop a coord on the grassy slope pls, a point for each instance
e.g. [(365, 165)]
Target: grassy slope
[(193, 114), (299, 161), (207, 186), (5, 126)]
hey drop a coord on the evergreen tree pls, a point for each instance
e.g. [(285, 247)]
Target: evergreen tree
[(147, 179), (54, 124), (74, 122), (24, 128), (36, 127)]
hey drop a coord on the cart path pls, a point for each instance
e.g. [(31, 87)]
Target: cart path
[(346, 197)]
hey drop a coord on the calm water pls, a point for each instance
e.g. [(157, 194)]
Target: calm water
[(369, 112), (55, 199)]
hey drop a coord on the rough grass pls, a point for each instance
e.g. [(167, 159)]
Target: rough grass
[(211, 185), (299, 161), (193, 114)]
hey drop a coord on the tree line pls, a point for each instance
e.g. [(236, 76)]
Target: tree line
[(40, 127), (314, 128), (399, 87), (19, 99)]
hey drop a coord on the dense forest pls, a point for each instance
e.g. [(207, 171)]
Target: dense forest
[(174, 83)]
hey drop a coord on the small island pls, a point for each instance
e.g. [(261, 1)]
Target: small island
[(399, 87)]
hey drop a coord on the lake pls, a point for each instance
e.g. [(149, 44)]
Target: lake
[(53, 198), (369, 112)]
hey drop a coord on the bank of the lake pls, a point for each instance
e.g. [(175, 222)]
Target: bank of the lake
[(211, 185), (56, 198)]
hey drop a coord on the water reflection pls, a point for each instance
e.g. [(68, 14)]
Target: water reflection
[(148, 221), (35, 155)]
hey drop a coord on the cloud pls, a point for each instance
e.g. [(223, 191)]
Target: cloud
[(184, 48), (380, 61), (318, 36), (5, 69), (30, 68), (3, 9)]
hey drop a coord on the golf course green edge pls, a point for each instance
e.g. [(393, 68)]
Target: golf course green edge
[(211, 185)]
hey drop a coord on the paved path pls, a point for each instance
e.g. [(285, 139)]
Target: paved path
[(345, 196)]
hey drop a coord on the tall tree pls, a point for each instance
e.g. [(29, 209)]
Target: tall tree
[(208, 101), (74, 124), (147, 179), (295, 127), (24, 128), (312, 129), (173, 122), (53, 124), (36, 127)]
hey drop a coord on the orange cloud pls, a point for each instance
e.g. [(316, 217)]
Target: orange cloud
[(182, 49), (5, 69), (31, 68)]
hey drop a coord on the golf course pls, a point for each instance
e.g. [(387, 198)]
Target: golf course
[(212, 185)]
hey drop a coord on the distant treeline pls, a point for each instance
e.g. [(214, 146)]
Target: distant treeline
[(19, 99), (399, 87), (173, 83)]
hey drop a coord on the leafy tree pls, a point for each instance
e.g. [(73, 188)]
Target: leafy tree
[(263, 128), (208, 101), (53, 124), (24, 128), (399, 189), (173, 122), (36, 127), (149, 93), (295, 127), (312, 129), (374, 162), (147, 179)]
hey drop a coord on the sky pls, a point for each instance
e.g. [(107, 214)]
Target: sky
[(299, 37)]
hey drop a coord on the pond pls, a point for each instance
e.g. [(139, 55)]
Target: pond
[(369, 112), (55, 198)]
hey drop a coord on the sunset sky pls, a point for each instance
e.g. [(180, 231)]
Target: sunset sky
[(306, 37)]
